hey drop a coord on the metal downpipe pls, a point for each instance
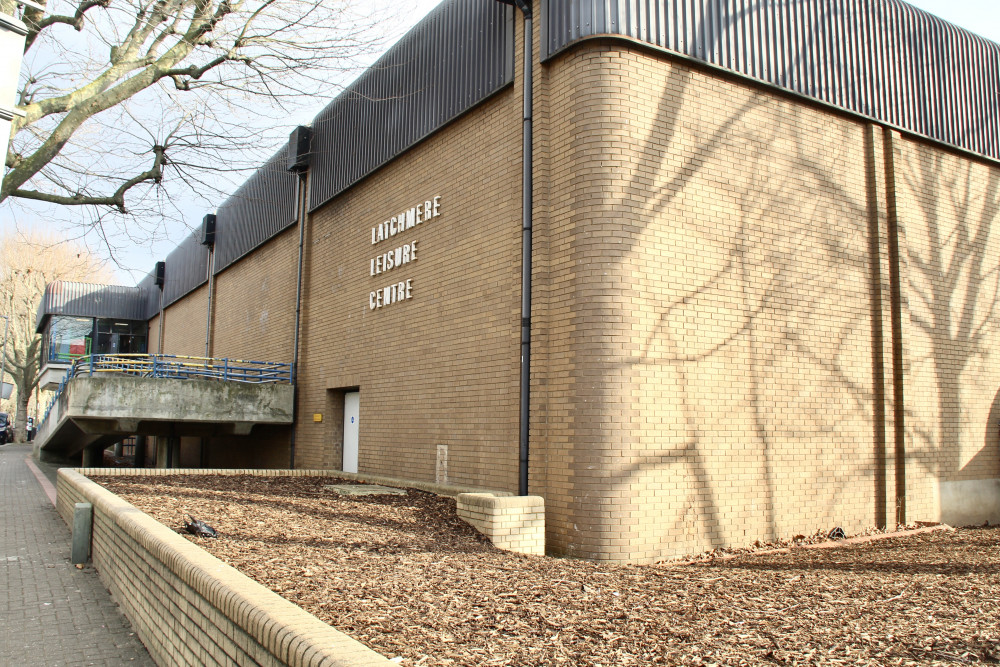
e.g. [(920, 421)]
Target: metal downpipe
[(301, 204), (211, 301), (159, 342), (527, 183)]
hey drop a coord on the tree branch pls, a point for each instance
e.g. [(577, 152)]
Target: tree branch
[(185, 54), (111, 86), (37, 21), (117, 199)]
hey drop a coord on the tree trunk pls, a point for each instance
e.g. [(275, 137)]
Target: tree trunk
[(21, 416)]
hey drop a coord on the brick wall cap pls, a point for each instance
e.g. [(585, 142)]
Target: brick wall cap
[(491, 501)]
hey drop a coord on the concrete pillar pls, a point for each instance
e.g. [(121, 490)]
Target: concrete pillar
[(93, 457), (173, 451), (139, 460)]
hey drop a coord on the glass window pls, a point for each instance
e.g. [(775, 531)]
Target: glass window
[(120, 337), (68, 338)]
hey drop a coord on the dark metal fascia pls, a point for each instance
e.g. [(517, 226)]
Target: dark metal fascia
[(436, 73)]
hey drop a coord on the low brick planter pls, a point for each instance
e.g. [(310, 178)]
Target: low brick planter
[(187, 606), (513, 523), (449, 490)]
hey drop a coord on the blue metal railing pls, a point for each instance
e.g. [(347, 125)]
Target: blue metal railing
[(175, 367)]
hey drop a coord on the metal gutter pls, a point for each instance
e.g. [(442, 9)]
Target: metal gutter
[(298, 161), (527, 184), (303, 215), (211, 301)]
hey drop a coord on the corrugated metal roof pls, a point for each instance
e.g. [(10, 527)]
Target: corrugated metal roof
[(89, 300), (883, 59), (459, 55), (150, 296), (186, 270), (259, 210)]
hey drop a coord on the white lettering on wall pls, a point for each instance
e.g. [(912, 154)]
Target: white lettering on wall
[(394, 293), (423, 212), (401, 255), (393, 259)]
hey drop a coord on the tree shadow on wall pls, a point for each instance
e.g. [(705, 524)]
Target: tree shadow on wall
[(790, 310), (952, 286), (670, 343), (783, 306), (699, 510), (987, 458), (771, 286)]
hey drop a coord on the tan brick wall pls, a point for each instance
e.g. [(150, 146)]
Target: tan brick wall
[(541, 458), (255, 303), (709, 299), (254, 311), (153, 342), (184, 324), (713, 355), (440, 369), (949, 218)]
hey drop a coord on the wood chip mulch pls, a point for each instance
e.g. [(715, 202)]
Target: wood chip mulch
[(407, 577)]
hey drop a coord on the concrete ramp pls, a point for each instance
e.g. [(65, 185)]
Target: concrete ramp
[(95, 409)]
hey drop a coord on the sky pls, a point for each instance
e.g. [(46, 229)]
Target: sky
[(979, 16), (132, 264)]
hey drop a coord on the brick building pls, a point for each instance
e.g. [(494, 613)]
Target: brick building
[(763, 273)]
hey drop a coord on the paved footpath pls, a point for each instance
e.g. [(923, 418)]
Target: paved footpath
[(51, 613)]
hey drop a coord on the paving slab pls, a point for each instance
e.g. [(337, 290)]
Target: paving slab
[(364, 490), (53, 614)]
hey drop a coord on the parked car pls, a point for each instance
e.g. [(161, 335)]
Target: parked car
[(6, 429)]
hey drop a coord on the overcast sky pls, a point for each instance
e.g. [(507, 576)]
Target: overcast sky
[(979, 16)]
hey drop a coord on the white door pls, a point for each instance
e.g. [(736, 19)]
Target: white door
[(352, 412)]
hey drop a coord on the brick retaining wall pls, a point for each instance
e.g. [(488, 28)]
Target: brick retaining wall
[(189, 607), (514, 523)]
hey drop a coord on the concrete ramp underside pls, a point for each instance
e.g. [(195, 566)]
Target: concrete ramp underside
[(103, 409)]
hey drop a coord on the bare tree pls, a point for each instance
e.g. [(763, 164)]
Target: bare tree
[(27, 265), (127, 103)]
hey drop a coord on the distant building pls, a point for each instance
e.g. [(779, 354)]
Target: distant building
[(79, 319), (764, 271)]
